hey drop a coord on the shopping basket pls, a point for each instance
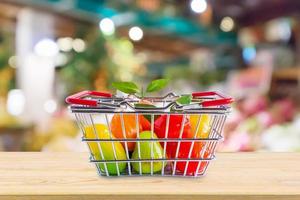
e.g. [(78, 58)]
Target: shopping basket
[(180, 139)]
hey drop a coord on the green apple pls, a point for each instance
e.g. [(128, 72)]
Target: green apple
[(145, 153)]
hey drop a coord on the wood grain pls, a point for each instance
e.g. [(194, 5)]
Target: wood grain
[(70, 176)]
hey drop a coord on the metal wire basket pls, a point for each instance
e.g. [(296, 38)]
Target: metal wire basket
[(152, 136)]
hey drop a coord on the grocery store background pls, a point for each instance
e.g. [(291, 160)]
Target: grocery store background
[(249, 49)]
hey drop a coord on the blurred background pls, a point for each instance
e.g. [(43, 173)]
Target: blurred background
[(50, 49)]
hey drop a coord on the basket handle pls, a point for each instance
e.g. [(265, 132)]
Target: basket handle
[(78, 98), (217, 102)]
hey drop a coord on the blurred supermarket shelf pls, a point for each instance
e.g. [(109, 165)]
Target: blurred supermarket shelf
[(286, 82)]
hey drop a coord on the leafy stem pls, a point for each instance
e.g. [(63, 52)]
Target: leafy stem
[(142, 93), (184, 99), (132, 88)]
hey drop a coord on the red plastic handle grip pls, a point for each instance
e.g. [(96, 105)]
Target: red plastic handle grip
[(78, 98), (217, 102)]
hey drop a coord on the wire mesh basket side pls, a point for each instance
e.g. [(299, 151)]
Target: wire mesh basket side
[(180, 154)]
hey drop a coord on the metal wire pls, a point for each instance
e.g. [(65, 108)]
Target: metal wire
[(126, 145), (166, 106), (166, 136), (138, 143), (192, 145), (151, 147), (178, 143), (113, 144)]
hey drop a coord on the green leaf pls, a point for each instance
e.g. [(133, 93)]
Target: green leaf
[(126, 87), (184, 99), (157, 85), (143, 105)]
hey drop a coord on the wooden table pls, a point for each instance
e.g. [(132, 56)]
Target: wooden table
[(232, 176)]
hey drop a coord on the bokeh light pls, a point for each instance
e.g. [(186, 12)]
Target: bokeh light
[(46, 48), (136, 33), (227, 24), (78, 45), (50, 106), (65, 44), (15, 102), (198, 6), (107, 26)]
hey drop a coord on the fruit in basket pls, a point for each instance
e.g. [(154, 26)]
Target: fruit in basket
[(196, 153), (146, 126), (145, 153), (129, 122), (204, 125), (107, 148), (130, 127), (174, 129), (175, 122)]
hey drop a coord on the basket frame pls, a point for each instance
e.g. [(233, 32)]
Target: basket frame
[(108, 106)]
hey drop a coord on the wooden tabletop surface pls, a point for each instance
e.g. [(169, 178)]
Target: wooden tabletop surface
[(70, 176)]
